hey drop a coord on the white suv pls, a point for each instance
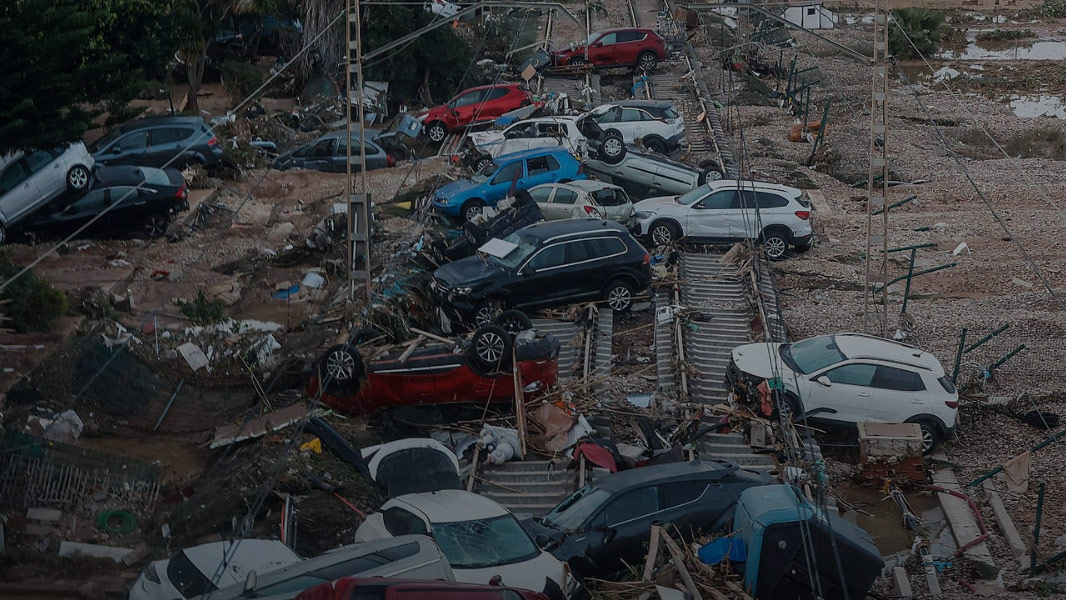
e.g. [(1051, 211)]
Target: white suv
[(852, 378), (728, 211), (655, 122), (543, 132)]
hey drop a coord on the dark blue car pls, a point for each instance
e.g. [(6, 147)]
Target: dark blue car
[(466, 198)]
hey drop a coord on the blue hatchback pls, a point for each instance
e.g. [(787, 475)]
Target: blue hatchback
[(465, 198)]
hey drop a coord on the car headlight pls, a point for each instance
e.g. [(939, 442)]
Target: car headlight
[(643, 214), (442, 201), (462, 291)]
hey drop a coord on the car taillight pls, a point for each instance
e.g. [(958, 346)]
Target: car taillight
[(803, 214), (183, 191), (647, 259), (390, 161), (951, 403), (591, 211), (213, 141)]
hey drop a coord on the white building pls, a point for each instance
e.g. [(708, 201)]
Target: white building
[(811, 16)]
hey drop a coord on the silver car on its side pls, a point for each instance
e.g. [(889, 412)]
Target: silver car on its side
[(583, 199), (29, 180)]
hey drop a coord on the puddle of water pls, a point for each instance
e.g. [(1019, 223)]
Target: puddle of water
[(884, 522), (1039, 50), (1038, 105)]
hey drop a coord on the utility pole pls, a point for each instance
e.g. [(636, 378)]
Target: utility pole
[(875, 310), (359, 210)]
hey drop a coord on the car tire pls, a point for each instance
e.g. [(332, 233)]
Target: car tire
[(578, 62), (77, 178), (710, 171), (341, 369), (470, 209), (647, 61), (513, 322), (664, 233), (656, 145), (486, 314), (775, 243), (931, 435), (792, 407), (612, 147), (155, 225), (490, 349), (436, 132), (482, 162), (618, 294), (3, 234)]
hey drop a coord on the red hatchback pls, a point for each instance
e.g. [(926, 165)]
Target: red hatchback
[(477, 371), (475, 105), (376, 588), (625, 47)]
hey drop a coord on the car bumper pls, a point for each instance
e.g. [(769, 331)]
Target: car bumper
[(678, 140), (449, 210), (802, 240)]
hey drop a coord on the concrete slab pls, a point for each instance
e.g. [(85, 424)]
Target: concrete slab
[(821, 206), (93, 550), (901, 584), (1007, 528), (959, 515), (43, 514)]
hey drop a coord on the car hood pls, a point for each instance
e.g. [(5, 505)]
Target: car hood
[(469, 271), (457, 189), (532, 574), (480, 138), (657, 204), (760, 360), (546, 536)]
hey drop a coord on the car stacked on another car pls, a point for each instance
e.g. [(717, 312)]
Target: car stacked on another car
[(544, 265), (656, 123), (506, 174), (583, 199), (642, 173), (542, 132), (30, 180), (728, 211), (470, 107), (622, 47), (852, 378), (159, 142)]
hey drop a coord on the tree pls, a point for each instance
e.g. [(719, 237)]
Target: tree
[(64, 62), (922, 27)]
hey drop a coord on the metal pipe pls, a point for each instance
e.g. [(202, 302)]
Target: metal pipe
[(1010, 354), (922, 272), (910, 277), (914, 247), (896, 204), (999, 469), (170, 403), (958, 358), (1036, 526), (985, 339)]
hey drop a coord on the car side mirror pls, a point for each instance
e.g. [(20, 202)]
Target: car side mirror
[(526, 272), (822, 379), (249, 583), (116, 150), (609, 534)]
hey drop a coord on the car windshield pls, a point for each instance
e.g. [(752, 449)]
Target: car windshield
[(572, 512), (188, 580), (812, 354), (670, 113), (693, 195), (484, 542), (105, 140), (526, 246), (483, 175)]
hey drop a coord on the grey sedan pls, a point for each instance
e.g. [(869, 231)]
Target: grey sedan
[(329, 153)]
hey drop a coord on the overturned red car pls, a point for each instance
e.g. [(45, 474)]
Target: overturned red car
[(478, 370)]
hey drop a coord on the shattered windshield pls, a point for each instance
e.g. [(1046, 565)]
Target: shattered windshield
[(812, 354), (483, 175), (526, 247), (484, 542), (693, 195), (572, 512)]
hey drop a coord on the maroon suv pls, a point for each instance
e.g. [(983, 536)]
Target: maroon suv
[(624, 47)]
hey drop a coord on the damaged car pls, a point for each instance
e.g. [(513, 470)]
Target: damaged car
[(544, 265), (511, 215), (623, 47), (482, 540), (656, 123), (543, 132), (329, 153), (472, 106), (604, 526), (477, 370), (643, 173), (583, 199)]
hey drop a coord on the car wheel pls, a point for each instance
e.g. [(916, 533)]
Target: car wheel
[(788, 408), (930, 435), (436, 132), (155, 225), (471, 209), (578, 62), (619, 295), (486, 314), (483, 161), (490, 348), (775, 244), (647, 61), (77, 178), (3, 234), (613, 147), (664, 233), (341, 369), (710, 171), (513, 322), (656, 145)]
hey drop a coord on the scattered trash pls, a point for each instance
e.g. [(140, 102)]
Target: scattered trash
[(193, 355)]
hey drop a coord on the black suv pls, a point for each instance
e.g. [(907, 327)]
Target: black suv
[(543, 265), (154, 141)]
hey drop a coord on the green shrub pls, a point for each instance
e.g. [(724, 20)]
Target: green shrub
[(922, 26), (30, 303), (241, 78), (1004, 35), (201, 311)]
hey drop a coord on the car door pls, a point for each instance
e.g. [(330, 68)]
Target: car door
[(18, 192), (588, 265), (899, 394), (493, 105), (466, 106), (626, 522), (320, 156), (518, 137), (849, 392), (81, 212), (745, 218), (542, 280), (709, 218), (47, 173), (671, 178), (130, 149), (540, 169), (693, 506), (542, 195), (604, 51), (565, 204), (614, 204), (770, 206), (632, 124), (500, 185), (166, 143)]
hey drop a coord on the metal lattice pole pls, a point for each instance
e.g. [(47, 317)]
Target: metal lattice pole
[(359, 210), (875, 309)]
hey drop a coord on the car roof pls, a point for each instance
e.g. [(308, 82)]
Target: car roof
[(449, 506), (532, 153), (859, 346), (624, 480), (491, 86), (160, 121), (340, 133), (642, 103), (724, 184), (591, 185), (556, 119), (548, 230), (626, 29)]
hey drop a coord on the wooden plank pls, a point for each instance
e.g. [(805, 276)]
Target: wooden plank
[(653, 553), (520, 404), (679, 563), (410, 349), (432, 336)]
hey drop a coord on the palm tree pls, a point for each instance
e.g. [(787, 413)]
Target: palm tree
[(922, 27)]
